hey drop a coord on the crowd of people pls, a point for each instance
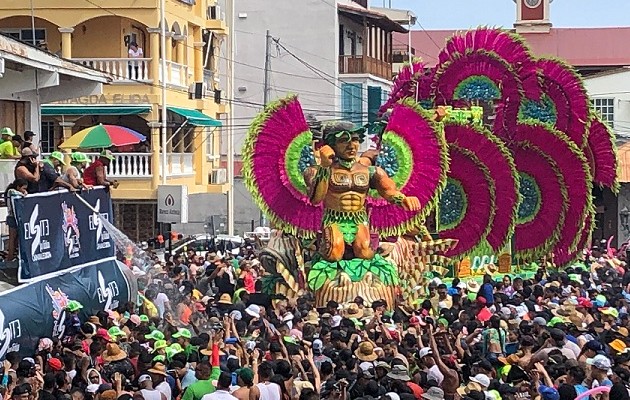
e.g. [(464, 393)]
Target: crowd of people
[(203, 329)]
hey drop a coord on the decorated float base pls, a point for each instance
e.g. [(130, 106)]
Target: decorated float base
[(344, 280)]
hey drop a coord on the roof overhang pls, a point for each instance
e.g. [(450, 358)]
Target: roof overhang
[(25, 54), (372, 16)]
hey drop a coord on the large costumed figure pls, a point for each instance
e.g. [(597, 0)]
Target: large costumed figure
[(315, 183)]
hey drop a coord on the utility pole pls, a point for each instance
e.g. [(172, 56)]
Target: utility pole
[(266, 94), (230, 119)]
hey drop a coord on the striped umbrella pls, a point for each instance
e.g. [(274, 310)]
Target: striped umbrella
[(102, 136)]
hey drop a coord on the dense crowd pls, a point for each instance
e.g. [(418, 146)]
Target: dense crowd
[(202, 329)]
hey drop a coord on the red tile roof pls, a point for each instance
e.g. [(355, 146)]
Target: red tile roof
[(581, 47)]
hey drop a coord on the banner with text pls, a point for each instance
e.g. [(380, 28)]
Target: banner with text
[(58, 231), (38, 310)]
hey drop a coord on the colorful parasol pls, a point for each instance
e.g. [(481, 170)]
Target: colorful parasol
[(102, 136)]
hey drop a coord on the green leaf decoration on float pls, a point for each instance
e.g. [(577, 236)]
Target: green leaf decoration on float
[(356, 268)]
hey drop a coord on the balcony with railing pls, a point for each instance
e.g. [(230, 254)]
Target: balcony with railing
[(122, 70), (365, 65)]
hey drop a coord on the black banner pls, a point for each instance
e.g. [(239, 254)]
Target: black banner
[(37, 310), (58, 231)]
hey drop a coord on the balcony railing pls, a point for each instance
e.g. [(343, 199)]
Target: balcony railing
[(365, 65), (176, 74), (122, 69)]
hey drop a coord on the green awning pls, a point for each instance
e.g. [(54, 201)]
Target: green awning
[(51, 109), (195, 117)]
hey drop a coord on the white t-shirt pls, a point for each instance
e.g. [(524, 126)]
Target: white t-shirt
[(219, 395), (434, 373), (160, 302), (136, 54), (165, 389)]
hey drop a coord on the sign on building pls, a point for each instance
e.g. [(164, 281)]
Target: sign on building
[(172, 204)]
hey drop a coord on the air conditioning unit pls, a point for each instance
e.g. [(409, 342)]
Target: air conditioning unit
[(214, 12), (197, 90), (218, 176)]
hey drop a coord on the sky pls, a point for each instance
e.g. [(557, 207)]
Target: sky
[(462, 14)]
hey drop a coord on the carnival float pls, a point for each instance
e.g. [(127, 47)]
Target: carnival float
[(501, 149)]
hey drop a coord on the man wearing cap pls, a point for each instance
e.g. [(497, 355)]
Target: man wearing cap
[(11, 144), (95, 174), (78, 163), (49, 177), (29, 169)]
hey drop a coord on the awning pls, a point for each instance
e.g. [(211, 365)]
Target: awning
[(51, 109), (195, 117), (374, 17)]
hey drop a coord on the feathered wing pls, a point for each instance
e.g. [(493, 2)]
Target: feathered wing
[(577, 177), (414, 155), (277, 150), (584, 242), (499, 163), (404, 84), (486, 65), (468, 202), (564, 102), (601, 151), (542, 208)]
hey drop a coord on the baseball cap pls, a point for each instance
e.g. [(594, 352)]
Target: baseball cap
[(6, 131), (154, 335), (183, 333), (481, 379), (425, 351), (144, 378), (115, 331), (539, 321), (318, 345), (548, 393), (28, 152), (610, 311), (600, 362), (73, 305), (55, 364), (79, 157)]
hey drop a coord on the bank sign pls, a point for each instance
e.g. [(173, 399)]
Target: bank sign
[(172, 207), (58, 231)]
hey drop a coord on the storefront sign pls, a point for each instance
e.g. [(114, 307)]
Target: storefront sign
[(38, 310), (58, 231), (172, 204), (115, 98)]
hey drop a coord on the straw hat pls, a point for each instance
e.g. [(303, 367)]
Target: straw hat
[(312, 318), (94, 320), (225, 299), (472, 286), (113, 353), (353, 311), (365, 352), (158, 369), (491, 269), (208, 350)]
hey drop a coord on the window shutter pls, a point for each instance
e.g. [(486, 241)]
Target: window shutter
[(374, 102)]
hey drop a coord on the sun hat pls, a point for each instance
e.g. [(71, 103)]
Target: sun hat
[(472, 286), (155, 335), (73, 306), (57, 155), (225, 299), (613, 312), (113, 353), (182, 333), (600, 362), (236, 315), (253, 310), (135, 319), (107, 154), (365, 352), (470, 387), (618, 345), (312, 318), (434, 393), (354, 311), (623, 331), (159, 344), (399, 372), (115, 331), (78, 157), (7, 131), (158, 368), (28, 152)]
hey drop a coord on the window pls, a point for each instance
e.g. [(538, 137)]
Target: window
[(26, 34), (606, 109), (48, 137), (375, 96), (352, 102)]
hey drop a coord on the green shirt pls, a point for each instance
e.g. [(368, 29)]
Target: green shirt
[(7, 150), (201, 388)]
